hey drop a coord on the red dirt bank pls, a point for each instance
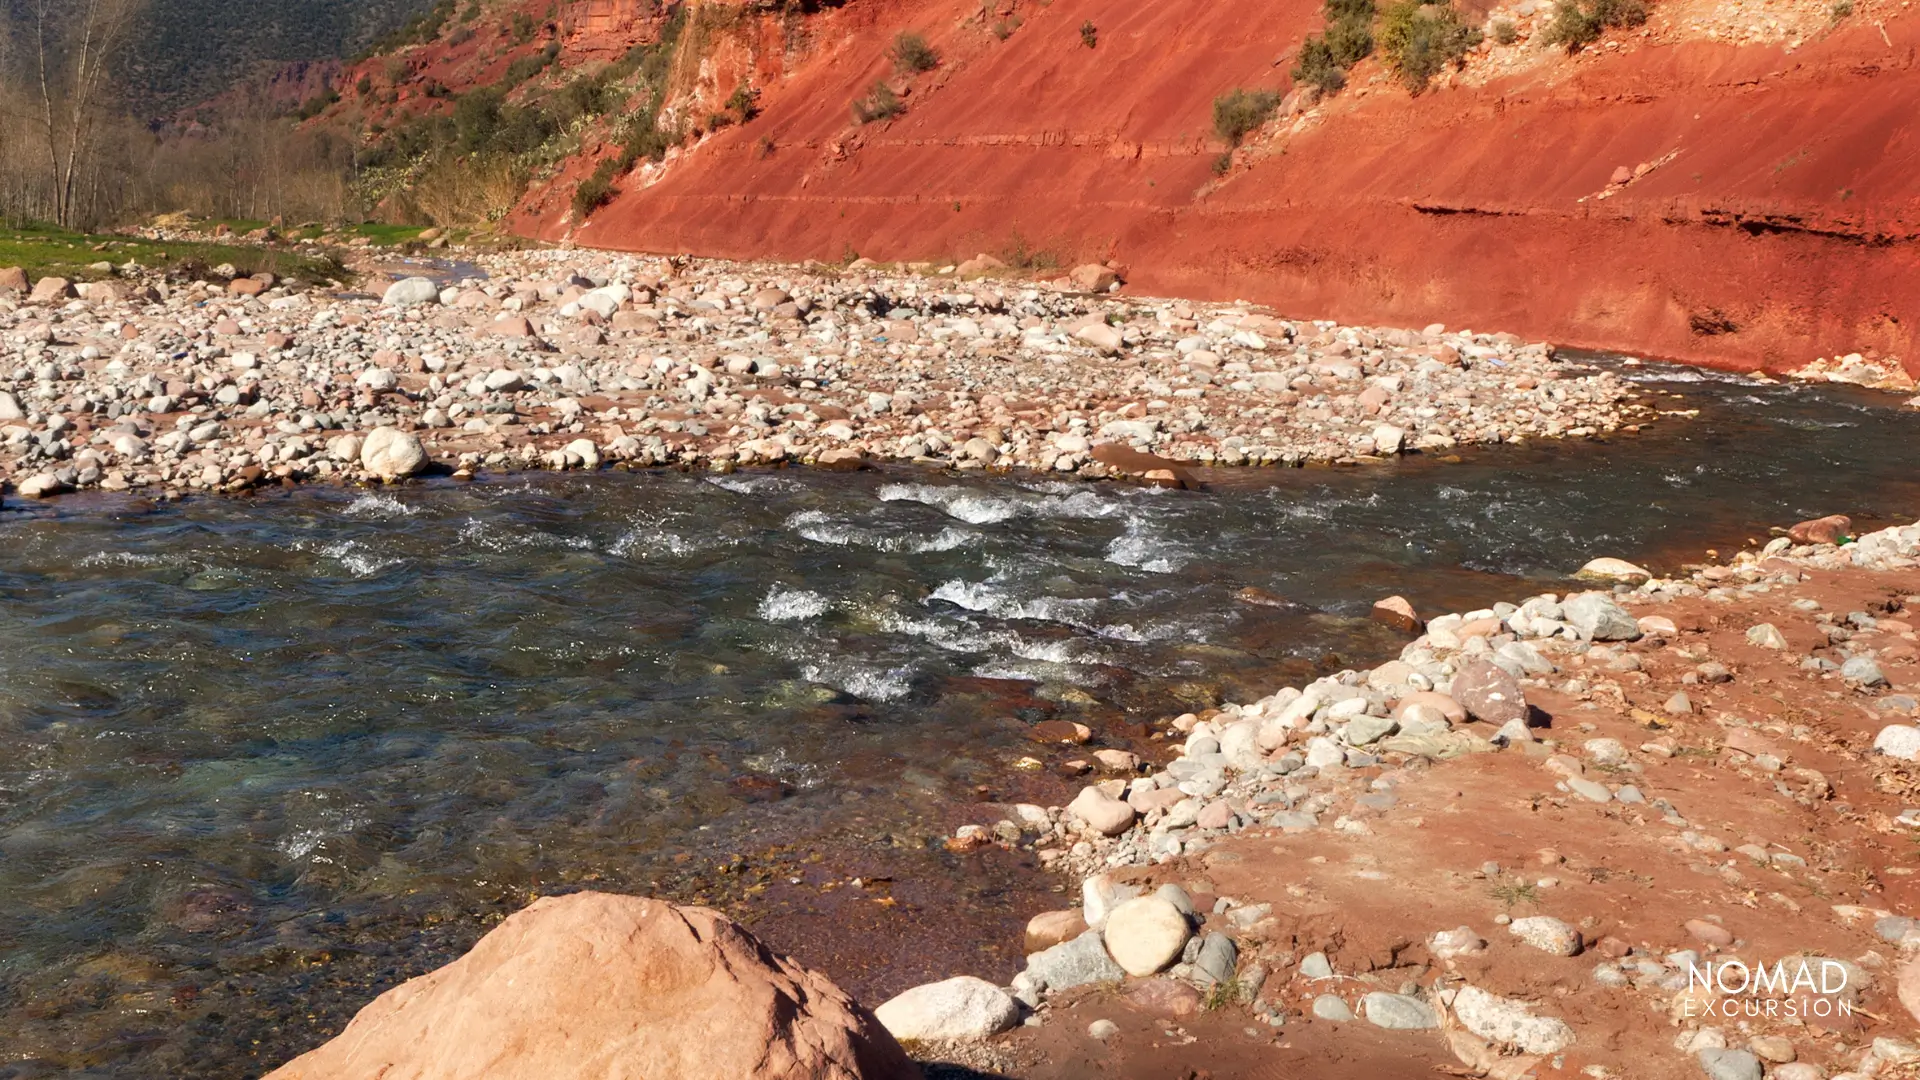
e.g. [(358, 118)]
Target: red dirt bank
[(1783, 228)]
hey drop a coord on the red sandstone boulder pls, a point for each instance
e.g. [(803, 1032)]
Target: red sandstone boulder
[(1826, 530), (1489, 694), (593, 985), (1397, 612), (1093, 277), (1127, 461)]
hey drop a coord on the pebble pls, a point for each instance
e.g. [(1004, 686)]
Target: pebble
[(1899, 741), (1331, 1007), (1607, 569), (1548, 934), (1862, 671), (1589, 790), (1315, 966), (1050, 928), (1216, 961), (1709, 933), (1398, 1012), (1767, 636), (1103, 1030), (1729, 1064)]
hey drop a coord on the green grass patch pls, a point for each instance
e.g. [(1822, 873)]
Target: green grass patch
[(47, 252), (392, 235)]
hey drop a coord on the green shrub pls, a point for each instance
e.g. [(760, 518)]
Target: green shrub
[(1420, 38), (1504, 32), (1575, 26), (1350, 38), (911, 54), (879, 103), (595, 191), (743, 103), (316, 104), (1840, 10), (1316, 66), (1240, 111), (526, 67), (521, 26), (1089, 34)]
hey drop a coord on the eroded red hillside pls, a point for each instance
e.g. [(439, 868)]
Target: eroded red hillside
[(1779, 224)]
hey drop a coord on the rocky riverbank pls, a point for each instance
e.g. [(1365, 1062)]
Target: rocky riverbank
[(1661, 828), (569, 360), (1513, 850)]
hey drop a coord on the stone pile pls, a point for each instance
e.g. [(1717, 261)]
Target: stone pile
[(1282, 764), (569, 360)]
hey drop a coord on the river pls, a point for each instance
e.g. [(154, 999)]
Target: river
[(261, 758)]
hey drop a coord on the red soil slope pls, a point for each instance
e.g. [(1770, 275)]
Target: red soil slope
[(1782, 228)]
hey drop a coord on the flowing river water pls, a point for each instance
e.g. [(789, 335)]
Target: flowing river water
[(262, 758)]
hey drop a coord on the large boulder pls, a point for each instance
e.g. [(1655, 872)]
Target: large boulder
[(1598, 618), (411, 292), (392, 454), (1827, 530), (1146, 934), (591, 985), (962, 1009), (50, 290)]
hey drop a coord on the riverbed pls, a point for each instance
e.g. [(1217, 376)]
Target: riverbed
[(262, 757)]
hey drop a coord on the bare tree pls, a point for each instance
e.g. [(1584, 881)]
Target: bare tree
[(75, 45)]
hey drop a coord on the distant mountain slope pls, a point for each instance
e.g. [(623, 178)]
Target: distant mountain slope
[(188, 51)]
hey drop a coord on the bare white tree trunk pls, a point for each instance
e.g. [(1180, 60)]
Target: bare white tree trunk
[(73, 53)]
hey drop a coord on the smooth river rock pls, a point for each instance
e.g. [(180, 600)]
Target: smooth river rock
[(392, 454), (963, 1008), (1398, 1012), (591, 985), (1102, 812), (411, 292), (1146, 934), (1614, 570)]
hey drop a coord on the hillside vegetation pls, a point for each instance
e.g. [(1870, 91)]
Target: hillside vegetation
[(188, 51)]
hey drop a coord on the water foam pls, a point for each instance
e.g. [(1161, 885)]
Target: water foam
[(815, 525), (860, 680), (1143, 551), (359, 560), (782, 604), (978, 508), (378, 504)]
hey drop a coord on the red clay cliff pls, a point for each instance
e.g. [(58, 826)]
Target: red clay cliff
[(1742, 205)]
